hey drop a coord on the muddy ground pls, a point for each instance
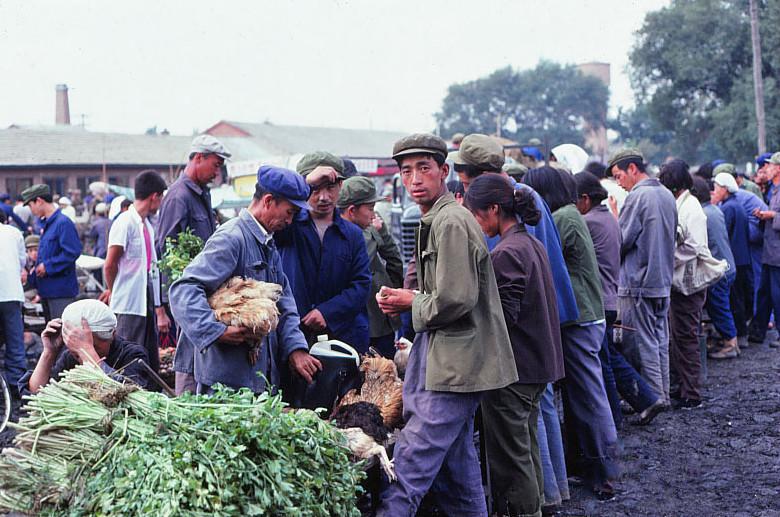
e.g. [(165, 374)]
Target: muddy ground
[(720, 459)]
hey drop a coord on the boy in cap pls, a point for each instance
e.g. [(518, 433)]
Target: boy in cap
[(461, 349), (325, 258), (356, 202), (648, 226), (244, 246), (187, 205), (55, 270)]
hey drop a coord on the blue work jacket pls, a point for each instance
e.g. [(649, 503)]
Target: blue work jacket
[(238, 248), (738, 229), (332, 276), (58, 250)]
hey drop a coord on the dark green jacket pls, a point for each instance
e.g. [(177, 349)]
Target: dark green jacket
[(580, 257), (387, 268), (459, 304)]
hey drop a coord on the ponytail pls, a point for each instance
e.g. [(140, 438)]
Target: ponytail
[(525, 207), (494, 189)]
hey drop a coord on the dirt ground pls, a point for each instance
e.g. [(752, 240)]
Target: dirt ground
[(720, 459)]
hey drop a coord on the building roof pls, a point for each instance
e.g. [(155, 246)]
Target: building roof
[(55, 146), (267, 139)]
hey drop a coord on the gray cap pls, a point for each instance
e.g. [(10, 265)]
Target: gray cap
[(207, 144), (311, 161), (775, 159), (34, 192), (728, 168), (357, 190), (480, 151), (420, 143), (515, 169), (624, 154)]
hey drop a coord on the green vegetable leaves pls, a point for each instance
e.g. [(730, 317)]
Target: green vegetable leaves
[(179, 253)]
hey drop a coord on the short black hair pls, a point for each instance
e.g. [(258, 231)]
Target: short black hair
[(598, 169), (588, 184), (124, 204), (456, 187), (205, 155), (149, 182), (705, 170), (260, 192), (556, 186), (439, 159), (675, 175), (701, 189), (471, 171)]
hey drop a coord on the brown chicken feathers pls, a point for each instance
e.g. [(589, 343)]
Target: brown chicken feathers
[(381, 387), (247, 303)]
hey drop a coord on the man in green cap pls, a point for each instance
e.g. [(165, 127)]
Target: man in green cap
[(648, 226), (461, 349), (356, 202), (325, 259), (55, 270)]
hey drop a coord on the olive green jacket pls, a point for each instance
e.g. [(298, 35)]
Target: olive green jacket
[(459, 304), (387, 269)]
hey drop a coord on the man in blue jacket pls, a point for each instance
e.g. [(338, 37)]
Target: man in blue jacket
[(60, 246), (244, 247), (325, 259)]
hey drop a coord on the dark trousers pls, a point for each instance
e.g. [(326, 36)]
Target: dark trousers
[(511, 418), (435, 449), (15, 361), (53, 307), (768, 301), (684, 352), (719, 307), (741, 298), (141, 330), (385, 345), (605, 356)]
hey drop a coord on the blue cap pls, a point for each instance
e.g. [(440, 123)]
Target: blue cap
[(284, 183), (715, 163), (761, 160), (533, 152)]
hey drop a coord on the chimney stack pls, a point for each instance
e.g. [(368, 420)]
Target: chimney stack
[(63, 110)]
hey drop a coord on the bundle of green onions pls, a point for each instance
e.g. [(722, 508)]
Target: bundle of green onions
[(90, 445)]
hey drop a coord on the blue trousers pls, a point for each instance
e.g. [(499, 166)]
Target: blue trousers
[(556, 484), (718, 306), (768, 301), (13, 330), (435, 449), (608, 373)]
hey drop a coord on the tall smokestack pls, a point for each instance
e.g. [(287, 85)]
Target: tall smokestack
[(63, 110)]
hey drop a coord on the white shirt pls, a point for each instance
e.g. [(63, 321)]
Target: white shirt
[(128, 295), (13, 257)]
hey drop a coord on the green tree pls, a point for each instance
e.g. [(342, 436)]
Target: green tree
[(551, 100), (691, 73)]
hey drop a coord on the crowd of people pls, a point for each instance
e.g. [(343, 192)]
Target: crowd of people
[(523, 280)]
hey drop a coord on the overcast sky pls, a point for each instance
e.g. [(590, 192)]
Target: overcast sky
[(381, 64)]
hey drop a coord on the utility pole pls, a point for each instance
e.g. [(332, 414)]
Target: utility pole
[(758, 80)]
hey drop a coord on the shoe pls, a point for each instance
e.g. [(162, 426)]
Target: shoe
[(730, 350), (626, 408), (649, 414), (687, 404)]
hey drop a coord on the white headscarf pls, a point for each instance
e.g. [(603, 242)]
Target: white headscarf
[(574, 157), (98, 315)]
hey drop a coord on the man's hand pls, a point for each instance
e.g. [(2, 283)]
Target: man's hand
[(764, 215), (613, 205), (52, 337), (163, 322), (320, 175), (302, 363), (237, 336), (314, 320), (394, 301), (40, 270), (24, 276), (79, 342), (377, 222), (105, 297)]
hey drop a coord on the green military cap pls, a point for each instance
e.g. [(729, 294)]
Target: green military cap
[(311, 161), (728, 168), (357, 190), (516, 170), (775, 159), (624, 154), (481, 151), (32, 241), (420, 143), (36, 191)]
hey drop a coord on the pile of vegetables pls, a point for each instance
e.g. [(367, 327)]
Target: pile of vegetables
[(93, 446), (179, 253)]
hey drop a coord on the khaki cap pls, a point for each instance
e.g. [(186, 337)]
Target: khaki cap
[(727, 168), (515, 169), (624, 154), (311, 161), (420, 143), (357, 190), (775, 159), (32, 241), (480, 151)]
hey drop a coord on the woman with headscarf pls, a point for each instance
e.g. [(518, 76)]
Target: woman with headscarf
[(591, 430)]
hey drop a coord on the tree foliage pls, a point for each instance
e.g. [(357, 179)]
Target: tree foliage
[(691, 69), (550, 100)]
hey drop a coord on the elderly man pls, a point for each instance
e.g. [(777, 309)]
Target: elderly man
[(356, 202), (769, 283), (648, 225), (60, 246), (87, 329), (325, 259), (244, 247), (462, 348), (187, 205)]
